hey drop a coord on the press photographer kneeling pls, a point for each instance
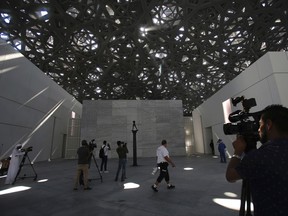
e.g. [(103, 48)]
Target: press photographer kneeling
[(265, 169)]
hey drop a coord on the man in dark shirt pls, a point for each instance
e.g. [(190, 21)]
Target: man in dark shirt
[(122, 153), (266, 168), (83, 165)]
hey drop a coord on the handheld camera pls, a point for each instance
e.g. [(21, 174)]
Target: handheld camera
[(244, 123)]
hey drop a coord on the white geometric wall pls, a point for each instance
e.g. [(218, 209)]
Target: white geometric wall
[(34, 110), (111, 120)]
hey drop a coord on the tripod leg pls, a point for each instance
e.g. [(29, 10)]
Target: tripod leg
[(248, 197), (32, 168), (243, 198), (97, 167)]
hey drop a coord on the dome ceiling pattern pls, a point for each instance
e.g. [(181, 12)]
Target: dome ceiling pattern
[(144, 49)]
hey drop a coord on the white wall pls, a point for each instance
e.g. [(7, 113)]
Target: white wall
[(111, 120), (265, 80), (34, 110), (189, 136)]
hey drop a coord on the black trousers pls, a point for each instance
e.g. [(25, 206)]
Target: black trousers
[(164, 174)]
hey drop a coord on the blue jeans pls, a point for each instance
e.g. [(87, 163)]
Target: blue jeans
[(104, 163), (121, 165), (222, 157)]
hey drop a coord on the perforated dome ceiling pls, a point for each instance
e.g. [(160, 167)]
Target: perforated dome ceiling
[(144, 49)]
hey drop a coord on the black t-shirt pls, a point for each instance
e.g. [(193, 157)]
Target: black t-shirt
[(267, 171), (83, 155)]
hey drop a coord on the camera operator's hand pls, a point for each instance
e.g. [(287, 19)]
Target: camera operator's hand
[(239, 145)]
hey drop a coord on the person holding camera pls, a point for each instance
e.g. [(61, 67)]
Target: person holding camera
[(106, 147), (122, 151), (163, 161), (265, 168), (84, 154)]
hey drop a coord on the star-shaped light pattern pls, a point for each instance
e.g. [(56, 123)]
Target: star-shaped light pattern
[(144, 49)]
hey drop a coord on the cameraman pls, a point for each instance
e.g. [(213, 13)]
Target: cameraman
[(83, 164), (122, 154), (265, 168)]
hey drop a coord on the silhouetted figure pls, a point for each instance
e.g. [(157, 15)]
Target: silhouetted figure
[(122, 151), (212, 147)]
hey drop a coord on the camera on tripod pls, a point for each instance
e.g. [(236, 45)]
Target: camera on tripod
[(28, 149), (242, 122), (92, 145)]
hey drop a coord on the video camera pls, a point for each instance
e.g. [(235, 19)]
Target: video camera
[(92, 145), (28, 149), (241, 122)]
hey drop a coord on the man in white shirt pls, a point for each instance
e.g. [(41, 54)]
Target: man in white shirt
[(163, 161), (106, 147), (15, 161)]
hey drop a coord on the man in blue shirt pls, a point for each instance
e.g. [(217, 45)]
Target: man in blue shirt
[(266, 168), (222, 150)]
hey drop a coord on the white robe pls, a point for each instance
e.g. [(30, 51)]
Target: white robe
[(15, 161)]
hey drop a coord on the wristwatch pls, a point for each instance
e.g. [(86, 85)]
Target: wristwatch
[(236, 156)]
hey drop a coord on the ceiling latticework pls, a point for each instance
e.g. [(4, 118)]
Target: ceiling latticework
[(144, 49)]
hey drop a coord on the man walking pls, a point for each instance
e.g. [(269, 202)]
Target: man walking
[(163, 161)]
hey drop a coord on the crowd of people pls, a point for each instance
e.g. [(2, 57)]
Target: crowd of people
[(264, 169), (85, 152)]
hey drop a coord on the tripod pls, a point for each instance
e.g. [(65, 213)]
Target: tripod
[(245, 190), (21, 165), (245, 197), (95, 162)]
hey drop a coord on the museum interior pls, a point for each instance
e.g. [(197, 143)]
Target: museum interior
[(74, 70)]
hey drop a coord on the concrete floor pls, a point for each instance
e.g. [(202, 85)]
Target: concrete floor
[(201, 189)]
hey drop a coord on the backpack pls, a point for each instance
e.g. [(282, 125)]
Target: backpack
[(101, 153)]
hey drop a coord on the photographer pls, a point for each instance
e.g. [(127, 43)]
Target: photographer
[(106, 147), (122, 153), (83, 165), (265, 168)]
